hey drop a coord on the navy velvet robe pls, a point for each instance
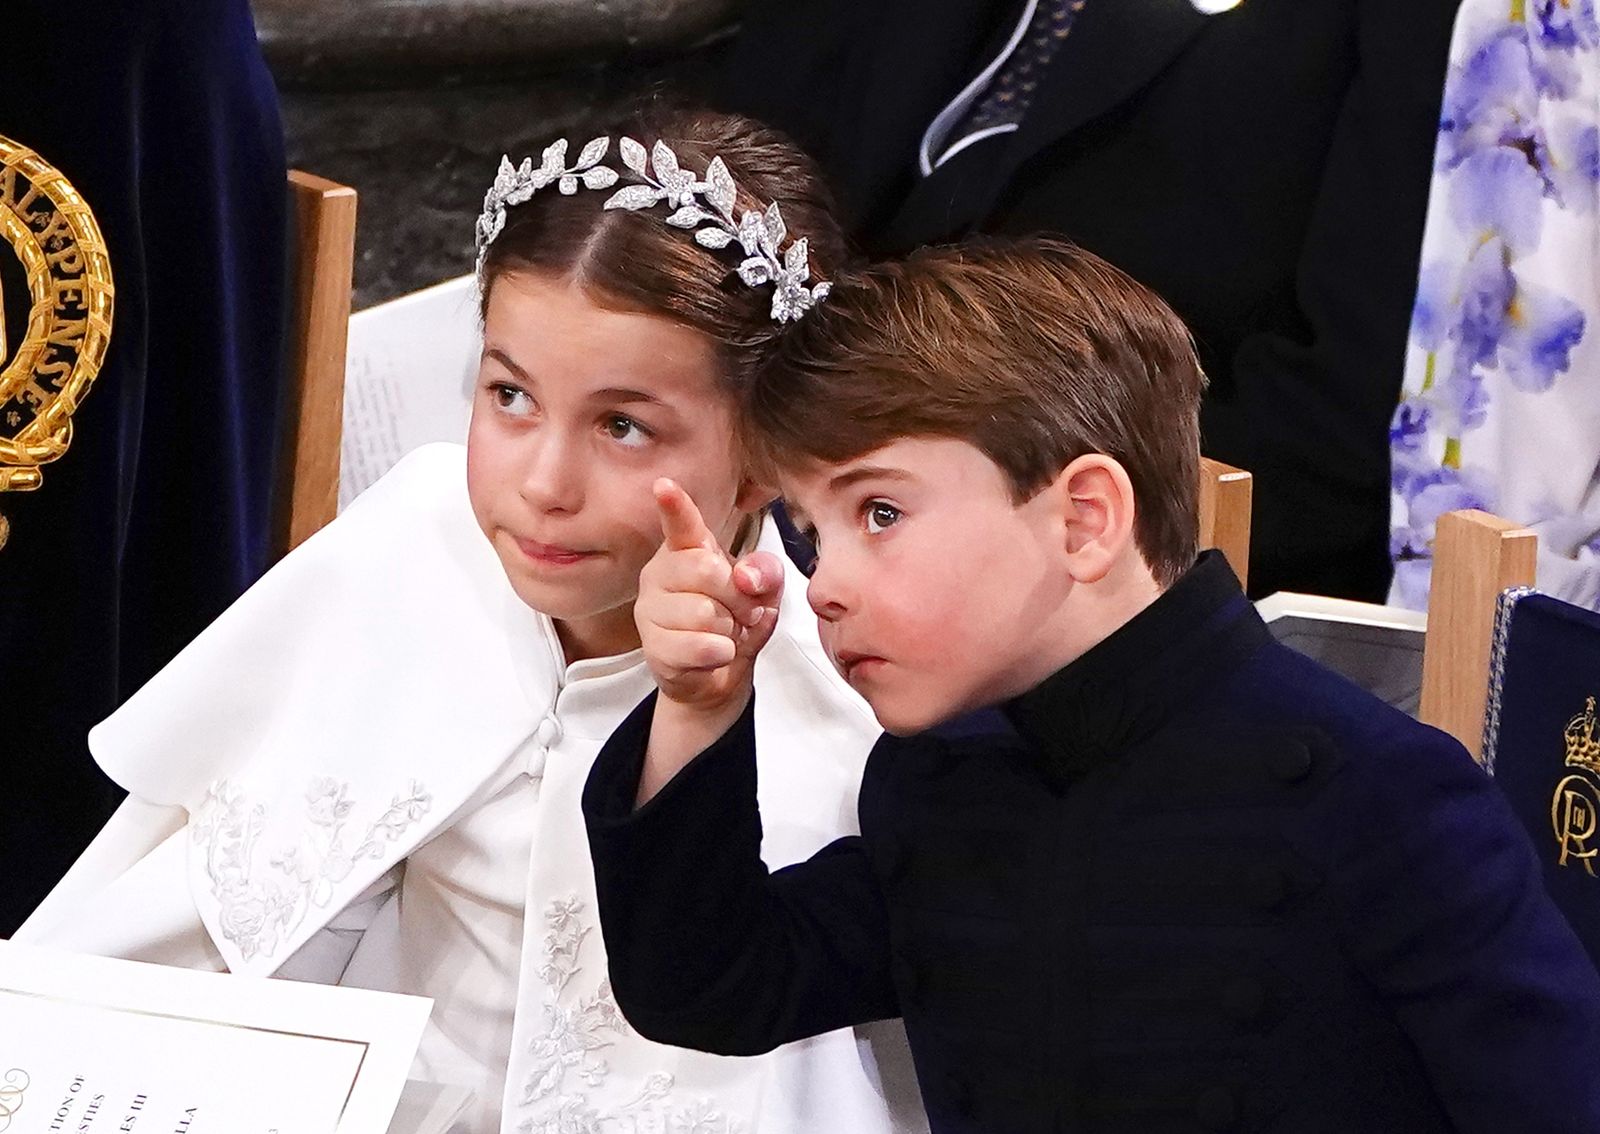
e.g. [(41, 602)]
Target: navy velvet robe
[(164, 117)]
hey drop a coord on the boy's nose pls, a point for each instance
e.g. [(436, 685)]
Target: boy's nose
[(824, 594)]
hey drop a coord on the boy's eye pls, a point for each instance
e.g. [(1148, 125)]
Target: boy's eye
[(511, 398), (879, 515), (625, 430)]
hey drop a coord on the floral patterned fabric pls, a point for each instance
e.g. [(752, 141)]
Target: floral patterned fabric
[(1500, 408)]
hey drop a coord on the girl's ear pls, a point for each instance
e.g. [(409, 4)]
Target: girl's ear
[(1097, 509), (753, 495)]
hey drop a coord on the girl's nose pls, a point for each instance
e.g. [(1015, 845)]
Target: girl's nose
[(553, 475)]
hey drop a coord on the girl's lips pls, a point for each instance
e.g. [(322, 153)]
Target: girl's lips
[(552, 553)]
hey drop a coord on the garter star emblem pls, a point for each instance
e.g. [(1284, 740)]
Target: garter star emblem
[(1575, 806), (53, 335)]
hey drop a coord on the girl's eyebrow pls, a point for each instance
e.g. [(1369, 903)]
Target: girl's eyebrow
[(504, 359), (612, 394), (623, 394)]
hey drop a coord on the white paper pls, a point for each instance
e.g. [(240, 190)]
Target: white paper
[(410, 368), (99, 1046)]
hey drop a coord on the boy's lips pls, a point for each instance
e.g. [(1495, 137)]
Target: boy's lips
[(852, 664), (552, 553)]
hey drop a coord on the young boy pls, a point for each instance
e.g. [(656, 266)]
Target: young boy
[(1183, 880)]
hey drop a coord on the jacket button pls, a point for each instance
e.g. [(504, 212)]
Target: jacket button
[(1244, 999), (1216, 1109), (1292, 764)]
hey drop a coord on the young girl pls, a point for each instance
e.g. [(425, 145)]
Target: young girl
[(368, 771)]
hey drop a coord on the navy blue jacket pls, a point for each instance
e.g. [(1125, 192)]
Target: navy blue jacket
[(1191, 882)]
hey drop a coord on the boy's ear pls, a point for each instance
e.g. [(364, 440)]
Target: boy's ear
[(1097, 508)]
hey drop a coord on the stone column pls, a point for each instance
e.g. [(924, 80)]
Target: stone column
[(413, 102), (388, 37)]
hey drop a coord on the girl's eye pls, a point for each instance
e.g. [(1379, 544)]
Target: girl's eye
[(880, 516), (512, 399), (626, 431)]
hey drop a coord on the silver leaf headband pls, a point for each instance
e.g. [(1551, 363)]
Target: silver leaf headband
[(704, 207)]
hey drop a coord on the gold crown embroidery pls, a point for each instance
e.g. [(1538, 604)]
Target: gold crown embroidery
[(1583, 750), (53, 233), (1575, 806)]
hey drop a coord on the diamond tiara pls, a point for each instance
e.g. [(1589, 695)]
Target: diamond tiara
[(705, 207)]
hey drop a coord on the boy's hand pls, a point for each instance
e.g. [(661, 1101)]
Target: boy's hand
[(702, 617), (702, 620)]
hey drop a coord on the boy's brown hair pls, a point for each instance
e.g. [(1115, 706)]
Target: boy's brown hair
[(1034, 351)]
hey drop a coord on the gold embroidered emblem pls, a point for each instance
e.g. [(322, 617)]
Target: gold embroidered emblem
[(1575, 806), (54, 236)]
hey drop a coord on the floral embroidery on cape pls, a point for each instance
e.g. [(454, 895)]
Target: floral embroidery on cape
[(257, 908), (565, 1054)]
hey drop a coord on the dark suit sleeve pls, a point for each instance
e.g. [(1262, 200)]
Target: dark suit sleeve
[(707, 949), (1447, 916), (778, 67), (1317, 405)]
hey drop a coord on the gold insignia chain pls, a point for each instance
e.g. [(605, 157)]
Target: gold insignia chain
[(53, 234)]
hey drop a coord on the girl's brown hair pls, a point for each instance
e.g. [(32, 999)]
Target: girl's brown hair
[(1033, 351), (635, 261)]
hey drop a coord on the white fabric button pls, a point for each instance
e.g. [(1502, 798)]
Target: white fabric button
[(533, 759), (548, 732)]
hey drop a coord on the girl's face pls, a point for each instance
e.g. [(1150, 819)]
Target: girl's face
[(578, 409)]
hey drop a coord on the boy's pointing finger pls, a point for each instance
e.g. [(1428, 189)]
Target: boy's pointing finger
[(759, 575), (681, 523)]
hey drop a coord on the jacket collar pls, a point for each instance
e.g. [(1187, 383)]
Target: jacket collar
[(1130, 684)]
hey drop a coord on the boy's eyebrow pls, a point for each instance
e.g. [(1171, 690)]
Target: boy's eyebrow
[(865, 472)]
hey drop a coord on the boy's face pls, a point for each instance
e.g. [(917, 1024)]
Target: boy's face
[(578, 409), (935, 592)]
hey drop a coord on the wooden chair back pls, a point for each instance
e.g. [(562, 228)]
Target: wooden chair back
[(306, 492), (1225, 514), (1475, 557)]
